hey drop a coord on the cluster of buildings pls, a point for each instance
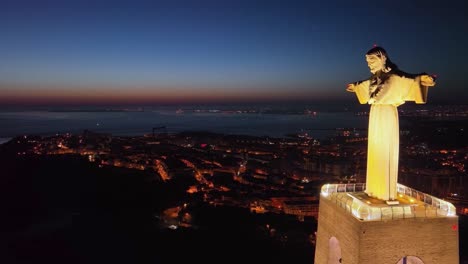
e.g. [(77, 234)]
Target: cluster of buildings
[(281, 175)]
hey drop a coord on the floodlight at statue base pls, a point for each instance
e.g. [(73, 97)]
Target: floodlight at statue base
[(359, 229), (392, 202)]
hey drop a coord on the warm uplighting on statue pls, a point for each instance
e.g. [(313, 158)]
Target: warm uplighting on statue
[(386, 89)]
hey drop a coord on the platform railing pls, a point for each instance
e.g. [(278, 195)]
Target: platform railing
[(431, 207)]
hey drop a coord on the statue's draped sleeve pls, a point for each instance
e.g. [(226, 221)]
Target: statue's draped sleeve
[(399, 89), (362, 91), (416, 92)]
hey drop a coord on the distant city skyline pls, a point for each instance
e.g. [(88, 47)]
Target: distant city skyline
[(143, 52)]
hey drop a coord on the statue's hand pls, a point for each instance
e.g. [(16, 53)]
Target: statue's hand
[(351, 88), (427, 80)]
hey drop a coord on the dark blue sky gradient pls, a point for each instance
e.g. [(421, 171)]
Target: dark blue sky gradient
[(311, 48)]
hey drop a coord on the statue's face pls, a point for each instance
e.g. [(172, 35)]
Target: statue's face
[(375, 63)]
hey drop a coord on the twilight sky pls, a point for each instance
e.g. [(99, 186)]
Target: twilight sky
[(86, 52)]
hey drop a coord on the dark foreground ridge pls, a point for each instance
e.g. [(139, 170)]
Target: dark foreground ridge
[(63, 209)]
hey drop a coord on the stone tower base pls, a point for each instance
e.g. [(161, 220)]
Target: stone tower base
[(360, 231)]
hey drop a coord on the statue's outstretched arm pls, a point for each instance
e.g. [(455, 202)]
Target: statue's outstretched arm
[(423, 78), (361, 88), (419, 88), (428, 80)]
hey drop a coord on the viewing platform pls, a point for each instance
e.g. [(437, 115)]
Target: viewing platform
[(411, 203)]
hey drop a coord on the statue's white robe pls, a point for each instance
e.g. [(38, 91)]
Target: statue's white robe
[(383, 133)]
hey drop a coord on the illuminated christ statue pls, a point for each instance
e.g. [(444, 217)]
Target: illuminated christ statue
[(385, 90)]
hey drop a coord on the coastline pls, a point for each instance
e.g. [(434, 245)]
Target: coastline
[(4, 140)]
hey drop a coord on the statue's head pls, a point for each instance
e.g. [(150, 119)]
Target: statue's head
[(377, 60)]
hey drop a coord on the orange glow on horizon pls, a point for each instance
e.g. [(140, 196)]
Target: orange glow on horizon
[(114, 95)]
